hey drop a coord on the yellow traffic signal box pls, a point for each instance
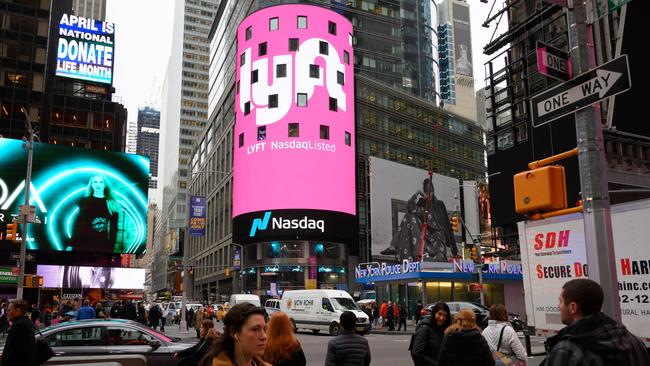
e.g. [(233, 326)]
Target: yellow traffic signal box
[(455, 224), (12, 231), (540, 190)]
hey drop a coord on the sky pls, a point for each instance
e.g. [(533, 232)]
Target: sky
[(143, 45)]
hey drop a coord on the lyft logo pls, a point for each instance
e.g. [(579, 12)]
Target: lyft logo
[(284, 87)]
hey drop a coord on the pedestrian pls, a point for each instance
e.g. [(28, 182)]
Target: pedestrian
[(390, 316), (383, 312), (35, 315), (429, 333), (375, 314), (129, 312), (142, 314), (86, 311), (463, 343), (591, 337), (189, 317), (348, 348), (197, 322), (418, 312), (47, 316), (502, 338), (163, 321), (154, 316), (99, 311), (402, 315), (20, 347), (4, 323), (191, 356), (116, 310), (283, 348), (244, 338)]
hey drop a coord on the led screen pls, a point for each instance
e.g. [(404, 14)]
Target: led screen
[(294, 153), (92, 277), (85, 49), (398, 201), (85, 200)]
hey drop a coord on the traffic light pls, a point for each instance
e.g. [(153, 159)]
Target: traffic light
[(33, 281), (455, 224), (12, 231)]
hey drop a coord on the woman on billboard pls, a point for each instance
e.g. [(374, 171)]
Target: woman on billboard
[(95, 228)]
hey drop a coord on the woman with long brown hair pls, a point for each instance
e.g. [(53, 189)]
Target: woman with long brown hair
[(463, 343), (283, 349)]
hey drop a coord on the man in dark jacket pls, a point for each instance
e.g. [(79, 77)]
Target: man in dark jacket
[(20, 348), (154, 316), (130, 311), (591, 337), (348, 349)]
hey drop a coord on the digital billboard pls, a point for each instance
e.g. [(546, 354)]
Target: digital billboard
[(85, 200), (85, 50), (92, 277), (398, 197), (462, 40), (294, 153)]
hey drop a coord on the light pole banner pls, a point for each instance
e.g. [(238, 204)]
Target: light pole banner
[(197, 216)]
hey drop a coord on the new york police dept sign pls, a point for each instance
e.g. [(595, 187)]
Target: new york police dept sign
[(376, 269)]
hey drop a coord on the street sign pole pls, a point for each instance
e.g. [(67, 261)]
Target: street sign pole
[(28, 183), (593, 170)]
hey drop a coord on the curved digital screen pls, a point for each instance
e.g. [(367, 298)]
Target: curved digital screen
[(85, 200), (294, 153)]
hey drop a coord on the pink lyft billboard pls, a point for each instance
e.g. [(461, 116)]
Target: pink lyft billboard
[(294, 152)]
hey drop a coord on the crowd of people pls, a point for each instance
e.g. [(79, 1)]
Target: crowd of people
[(389, 315)]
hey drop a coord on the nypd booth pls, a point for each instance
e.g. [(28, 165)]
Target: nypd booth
[(429, 282)]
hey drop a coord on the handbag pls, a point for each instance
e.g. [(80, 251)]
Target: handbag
[(502, 359), (43, 350)]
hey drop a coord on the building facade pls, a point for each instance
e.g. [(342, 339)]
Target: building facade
[(148, 137)]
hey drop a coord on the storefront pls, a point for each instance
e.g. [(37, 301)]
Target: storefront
[(410, 282)]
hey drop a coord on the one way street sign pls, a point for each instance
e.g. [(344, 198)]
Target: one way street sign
[(606, 81)]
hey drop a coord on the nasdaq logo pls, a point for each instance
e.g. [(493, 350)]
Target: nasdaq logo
[(260, 224)]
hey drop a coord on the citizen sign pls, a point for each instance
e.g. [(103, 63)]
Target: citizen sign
[(376, 269)]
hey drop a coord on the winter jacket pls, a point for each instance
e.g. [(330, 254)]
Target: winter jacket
[(383, 310), (510, 343), (20, 347), (223, 360), (595, 340), (297, 359), (426, 343), (348, 349), (86, 312), (465, 348), (191, 356)]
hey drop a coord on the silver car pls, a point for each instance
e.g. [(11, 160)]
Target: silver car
[(112, 337)]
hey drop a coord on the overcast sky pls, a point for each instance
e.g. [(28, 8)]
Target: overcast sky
[(143, 44)]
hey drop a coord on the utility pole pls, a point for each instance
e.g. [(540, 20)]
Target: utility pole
[(25, 208), (593, 167)]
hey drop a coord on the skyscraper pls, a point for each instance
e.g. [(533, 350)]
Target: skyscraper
[(148, 133), (185, 104), (92, 9)]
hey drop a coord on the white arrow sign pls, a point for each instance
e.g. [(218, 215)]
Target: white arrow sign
[(598, 85)]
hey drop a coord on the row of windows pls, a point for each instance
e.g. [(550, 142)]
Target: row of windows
[(314, 72), (294, 45), (301, 23), (301, 102), (294, 131)]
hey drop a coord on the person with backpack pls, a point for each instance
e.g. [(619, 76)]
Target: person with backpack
[(429, 333), (502, 338), (401, 316)]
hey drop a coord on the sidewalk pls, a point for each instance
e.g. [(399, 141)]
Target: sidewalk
[(173, 330)]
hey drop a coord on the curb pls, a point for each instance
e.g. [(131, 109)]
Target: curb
[(392, 332)]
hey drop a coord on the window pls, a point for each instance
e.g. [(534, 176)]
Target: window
[(294, 130), (249, 32), (281, 71), (323, 48), (348, 138), (89, 336), (237, 87), (273, 101), (127, 337), (247, 108), (274, 24), (241, 139), (302, 99), (314, 71), (324, 132), (253, 76), (333, 106), (346, 57), (261, 49), (331, 28), (340, 78), (261, 133), (293, 44), (302, 22), (242, 59)]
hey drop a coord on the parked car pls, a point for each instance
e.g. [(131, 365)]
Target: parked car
[(482, 313), (272, 306), (111, 336)]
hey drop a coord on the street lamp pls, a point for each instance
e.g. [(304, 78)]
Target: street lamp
[(25, 211)]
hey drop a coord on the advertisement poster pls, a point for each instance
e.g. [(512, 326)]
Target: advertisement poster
[(462, 40), (86, 49), (85, 200), (78, 277), (197, 216), (398, 197)]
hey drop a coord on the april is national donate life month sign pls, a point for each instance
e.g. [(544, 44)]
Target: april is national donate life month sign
[(85, 49)]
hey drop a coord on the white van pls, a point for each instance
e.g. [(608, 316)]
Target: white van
[(242, 298), (321, 310)]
